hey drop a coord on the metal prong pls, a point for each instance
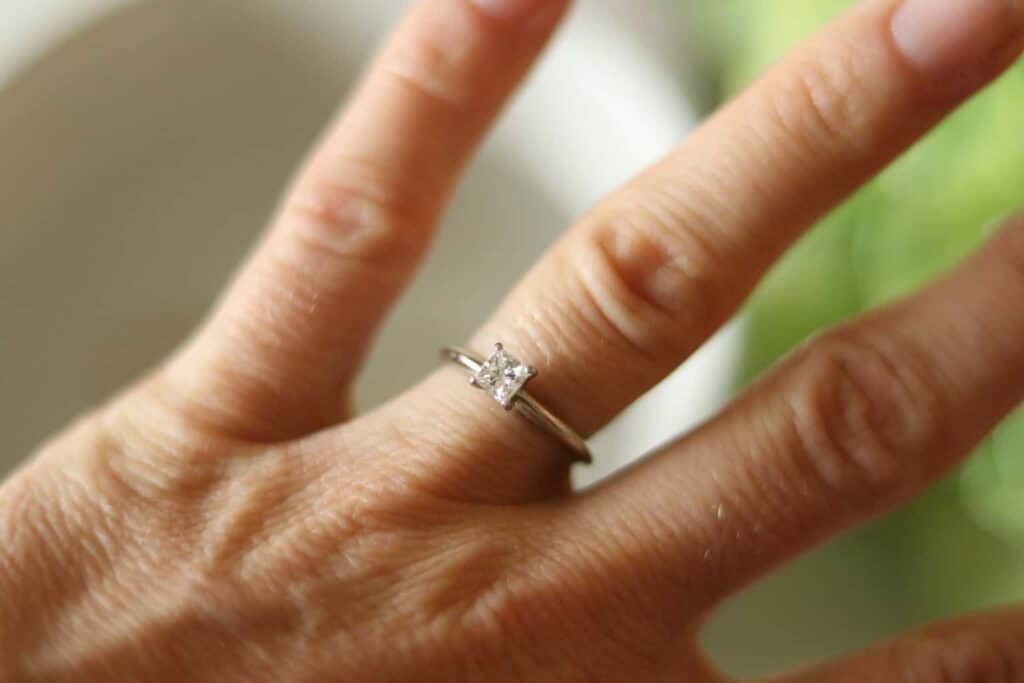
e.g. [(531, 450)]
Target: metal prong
[(522, 402)]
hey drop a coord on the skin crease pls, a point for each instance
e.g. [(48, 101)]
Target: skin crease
[(227, 518)]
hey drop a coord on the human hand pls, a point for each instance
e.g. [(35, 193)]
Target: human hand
[(228, 518)]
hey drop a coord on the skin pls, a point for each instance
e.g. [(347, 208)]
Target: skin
[(229, 519)]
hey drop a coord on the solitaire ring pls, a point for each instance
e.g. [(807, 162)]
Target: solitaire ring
[(504, 377)]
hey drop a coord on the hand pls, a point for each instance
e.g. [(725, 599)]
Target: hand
[(229, 519)]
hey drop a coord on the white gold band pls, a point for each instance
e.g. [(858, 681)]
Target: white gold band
[(504, 377)]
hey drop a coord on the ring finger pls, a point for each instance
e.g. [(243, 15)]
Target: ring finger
[(652, 271)]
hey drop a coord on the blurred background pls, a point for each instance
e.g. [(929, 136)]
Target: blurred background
[(145, 143)]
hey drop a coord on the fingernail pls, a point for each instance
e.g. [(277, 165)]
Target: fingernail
[(942, 35), (505, 9)]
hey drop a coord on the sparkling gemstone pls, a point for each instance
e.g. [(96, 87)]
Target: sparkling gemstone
[(502, 376)]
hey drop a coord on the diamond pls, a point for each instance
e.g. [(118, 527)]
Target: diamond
[(502, 376)]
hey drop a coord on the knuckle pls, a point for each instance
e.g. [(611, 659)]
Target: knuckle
[(648, 275), (479, 582), (356, 211), (144, 452), (960, 658), (860, 416), (532, 572), (824, 102), (432, 68)]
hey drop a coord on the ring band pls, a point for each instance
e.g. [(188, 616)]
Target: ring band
[(503, 377)]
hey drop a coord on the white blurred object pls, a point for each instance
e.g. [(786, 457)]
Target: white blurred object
[(603, 104), (35, 25)]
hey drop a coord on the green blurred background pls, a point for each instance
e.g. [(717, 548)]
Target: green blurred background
[(960, 547)]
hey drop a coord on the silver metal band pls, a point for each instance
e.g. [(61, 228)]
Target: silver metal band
[(522, 402)]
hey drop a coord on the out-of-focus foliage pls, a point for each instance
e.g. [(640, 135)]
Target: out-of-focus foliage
[(962, 545)]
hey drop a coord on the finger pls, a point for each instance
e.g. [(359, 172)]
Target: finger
[(982, 648), (651, 272), (277, 358), (854, 423)]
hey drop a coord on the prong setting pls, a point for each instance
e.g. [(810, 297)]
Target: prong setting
[(503, 376)]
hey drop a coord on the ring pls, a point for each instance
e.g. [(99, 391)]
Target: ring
[(504, 377)]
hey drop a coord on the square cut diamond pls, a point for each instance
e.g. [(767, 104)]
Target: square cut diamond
[(502, 376)]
